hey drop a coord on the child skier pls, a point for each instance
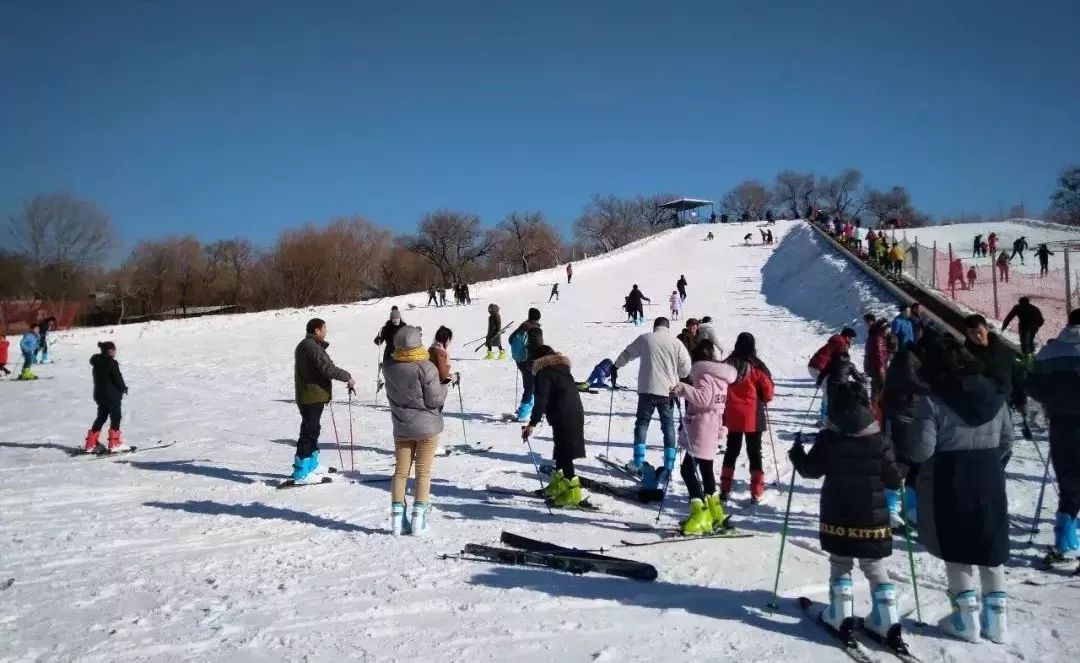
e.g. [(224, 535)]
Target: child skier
[(109, 390), (706, 397), (29, 346), (554, 292), (971, 275), (4, 352), (557, 398), (598, 377), (858, 465), (676, 303), (494, 333)]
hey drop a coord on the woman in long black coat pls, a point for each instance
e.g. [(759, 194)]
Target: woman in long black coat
[(558, 398)]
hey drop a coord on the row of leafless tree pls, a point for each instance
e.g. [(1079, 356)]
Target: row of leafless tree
[(60, 245)]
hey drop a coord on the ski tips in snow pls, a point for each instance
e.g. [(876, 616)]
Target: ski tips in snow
[(289, 483)]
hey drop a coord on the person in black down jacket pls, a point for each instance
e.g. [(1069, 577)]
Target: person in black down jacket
[(386, 334), (858, 465), (109, 390), (558, 398), (962, 429)]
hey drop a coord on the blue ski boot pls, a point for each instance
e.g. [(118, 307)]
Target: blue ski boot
[(892, 500), (305, 468), (1066, 544), (638, 462), (911, 506)]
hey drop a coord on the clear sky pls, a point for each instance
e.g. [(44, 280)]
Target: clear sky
[(226, 118)]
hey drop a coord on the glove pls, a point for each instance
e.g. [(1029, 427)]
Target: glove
[(796, 453)]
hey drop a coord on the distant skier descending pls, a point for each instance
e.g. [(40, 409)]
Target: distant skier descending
[(663, 361), (680, 285), (109, 391), (312, 373)]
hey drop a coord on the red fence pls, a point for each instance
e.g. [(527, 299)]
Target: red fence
[(17, 316)]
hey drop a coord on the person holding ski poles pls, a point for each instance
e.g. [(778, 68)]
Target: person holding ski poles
[(554, 292), (386, 335), (961, 429), (663, 361), (858, 465), (634, 305), (416, 397), (558, 398), (1054, 381), (312, 374), (494, 333), (109, 390), (706, 398), (745, 415)]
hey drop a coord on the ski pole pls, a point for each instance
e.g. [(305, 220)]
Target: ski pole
[(539, 477), (337, 440), (1046, 463), (461, 406), (773, 606), (812, 399), (352, 440), (772, 443), (663, 495), (911, 556), (378, 374), (1039, 504), (517, 374), (610, 410)]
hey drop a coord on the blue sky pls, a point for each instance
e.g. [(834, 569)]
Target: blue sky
[(231, 118)]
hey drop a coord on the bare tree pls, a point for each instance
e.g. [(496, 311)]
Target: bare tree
[(237, 257), (355, 250), (795, 192), (840, 194), (452, 241), (747, 201), (61, 237), (524, 239), (893, 208), (609, 222)]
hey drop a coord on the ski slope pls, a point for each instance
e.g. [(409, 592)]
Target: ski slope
[(188, 553)]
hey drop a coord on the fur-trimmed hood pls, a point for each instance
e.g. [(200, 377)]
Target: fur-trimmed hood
[(557, 359)]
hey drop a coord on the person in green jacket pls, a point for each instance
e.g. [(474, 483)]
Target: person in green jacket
[(494, 333), (313, 373)]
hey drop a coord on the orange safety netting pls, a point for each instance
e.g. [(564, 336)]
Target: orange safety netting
[(18, 315)]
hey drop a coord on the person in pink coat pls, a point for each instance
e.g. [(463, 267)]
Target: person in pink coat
[(706, 397), (676, 305)]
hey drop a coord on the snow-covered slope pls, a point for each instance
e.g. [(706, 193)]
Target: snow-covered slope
[(188, 553)]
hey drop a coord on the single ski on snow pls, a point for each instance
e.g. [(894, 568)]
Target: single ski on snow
[(289, 483), (459, 449), (647, 571), (675, 536), (619, 467), (893, 644)]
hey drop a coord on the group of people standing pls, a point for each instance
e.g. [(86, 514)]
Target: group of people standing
[(437, 296)]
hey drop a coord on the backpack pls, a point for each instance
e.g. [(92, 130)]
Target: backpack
[(519, 342)]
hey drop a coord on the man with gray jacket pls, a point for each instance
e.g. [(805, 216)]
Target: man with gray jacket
[(663, 362), (312, 374)]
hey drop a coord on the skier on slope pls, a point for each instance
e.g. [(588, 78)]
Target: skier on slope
[(634, 303), (416, 398), (858, 465), (1043, 254), (312, 374), (976, 250), (706, 398), (524, 343), (1003, 267), (557, 398), (675, 304), (109, 390), (598, 378), (432, 296), (1054, 381), (554, 292), (28, 345), (745, 415), (819, 361), (1030, 320), (663, 361), (680, 285), (385, 337), (494, 333), (569, 272), (961, 428), (43, 338)]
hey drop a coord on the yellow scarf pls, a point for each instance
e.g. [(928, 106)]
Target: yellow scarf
[(413, 355)]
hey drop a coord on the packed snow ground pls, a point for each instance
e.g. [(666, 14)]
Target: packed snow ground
[(189, 553)]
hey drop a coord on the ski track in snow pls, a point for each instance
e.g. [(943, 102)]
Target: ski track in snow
[(188, 553)]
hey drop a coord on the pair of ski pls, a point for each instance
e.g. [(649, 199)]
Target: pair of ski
[(484, 340), (523, 551), (101, 453), (849, 642)]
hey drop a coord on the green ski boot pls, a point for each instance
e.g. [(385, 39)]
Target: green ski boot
[(716, 511), (570, 496), (700, 520), (556, 485)]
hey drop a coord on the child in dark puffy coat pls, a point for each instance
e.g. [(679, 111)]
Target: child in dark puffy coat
[(109, 390), (858, 464)]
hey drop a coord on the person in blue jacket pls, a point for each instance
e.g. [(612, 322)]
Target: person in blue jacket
[(903, 327), (29, 347)]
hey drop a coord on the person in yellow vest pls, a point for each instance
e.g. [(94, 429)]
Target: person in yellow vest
[(896, 258)]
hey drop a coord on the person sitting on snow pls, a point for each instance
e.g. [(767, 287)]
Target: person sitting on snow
[(598, 377)]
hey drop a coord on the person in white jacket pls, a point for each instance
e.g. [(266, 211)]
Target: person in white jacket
[(663, 362)]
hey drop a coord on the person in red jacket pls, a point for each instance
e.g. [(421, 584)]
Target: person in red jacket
[(4, 352), (745, 415), (876, 359), (820, 360)]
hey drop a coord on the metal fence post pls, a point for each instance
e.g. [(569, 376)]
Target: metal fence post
[(993, 279), (952, 283), (933, 268)]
